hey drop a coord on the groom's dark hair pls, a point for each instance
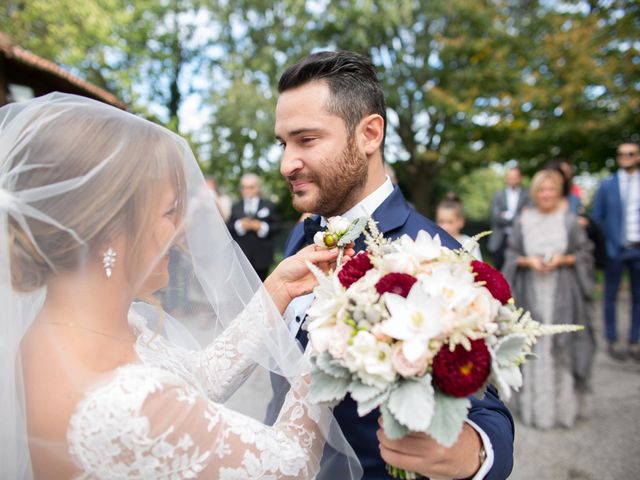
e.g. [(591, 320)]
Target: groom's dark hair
[(353, 84)]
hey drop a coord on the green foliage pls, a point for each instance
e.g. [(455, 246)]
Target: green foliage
[(137, 50), (467, 82)]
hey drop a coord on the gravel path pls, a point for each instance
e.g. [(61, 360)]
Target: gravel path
[(605, 446)]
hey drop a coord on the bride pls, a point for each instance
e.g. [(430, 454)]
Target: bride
[(108, 368)]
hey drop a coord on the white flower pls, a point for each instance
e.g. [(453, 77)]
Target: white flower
[(399, 262), (455, 285), (415, 319), (424, 247), (328, 306), (339, 339), (321, 337), (338, 225), (370, 360), (318, 238)]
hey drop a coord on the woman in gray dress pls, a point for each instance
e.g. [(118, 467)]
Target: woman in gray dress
[(550, 268)]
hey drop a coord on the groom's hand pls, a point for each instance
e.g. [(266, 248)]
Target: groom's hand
[(420, 453)]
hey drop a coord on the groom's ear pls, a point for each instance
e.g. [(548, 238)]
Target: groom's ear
[(371, 133)]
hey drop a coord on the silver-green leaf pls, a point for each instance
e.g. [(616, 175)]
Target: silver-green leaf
[(392, 428), (366, 406), (355, 230), (361, 392), (412, 403), (330, 366), (509, 349), (326, 388), (448, 418)]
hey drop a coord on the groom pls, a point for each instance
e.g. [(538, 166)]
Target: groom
[(330, 121)]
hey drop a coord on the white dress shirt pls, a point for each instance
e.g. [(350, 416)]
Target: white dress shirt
[(630, 196), (513, 196), (250, 206)]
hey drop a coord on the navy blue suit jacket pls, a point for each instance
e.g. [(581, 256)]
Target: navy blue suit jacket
[(396, 218), (607, 212)]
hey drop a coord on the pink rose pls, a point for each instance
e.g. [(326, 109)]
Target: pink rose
[(406, 368)]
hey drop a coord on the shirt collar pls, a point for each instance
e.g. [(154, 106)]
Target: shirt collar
[(369, 204), (623, 174)]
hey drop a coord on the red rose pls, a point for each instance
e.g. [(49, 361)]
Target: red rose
[(494, 280), (354, 269), (399, 283), (462, 372)]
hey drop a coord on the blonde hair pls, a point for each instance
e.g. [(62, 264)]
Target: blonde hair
[(121, 179), (543, 175)]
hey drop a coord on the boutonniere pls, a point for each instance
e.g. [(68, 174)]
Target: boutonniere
[(340, 232), (263, 212)]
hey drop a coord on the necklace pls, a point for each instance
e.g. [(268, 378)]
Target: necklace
[(80, 327)]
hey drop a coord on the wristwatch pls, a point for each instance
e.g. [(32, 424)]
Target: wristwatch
[(482, 455)]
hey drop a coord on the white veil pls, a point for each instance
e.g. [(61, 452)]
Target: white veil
[(67, 166)]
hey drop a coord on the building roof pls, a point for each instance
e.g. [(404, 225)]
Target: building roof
[(27, 65)]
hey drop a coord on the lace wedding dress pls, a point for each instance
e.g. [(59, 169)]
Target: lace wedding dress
[(163, 417)]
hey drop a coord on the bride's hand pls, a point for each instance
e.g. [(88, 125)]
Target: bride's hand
[(292, 278)]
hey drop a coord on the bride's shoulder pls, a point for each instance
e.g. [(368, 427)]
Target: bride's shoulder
[(132, 415)]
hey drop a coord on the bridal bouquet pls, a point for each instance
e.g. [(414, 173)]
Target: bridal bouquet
[(413, 328)]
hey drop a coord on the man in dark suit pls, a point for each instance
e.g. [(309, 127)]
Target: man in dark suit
[(616, 210), (330, 120), (253, 223), (505, 206)]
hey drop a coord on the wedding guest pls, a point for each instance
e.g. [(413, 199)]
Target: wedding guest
[(570, 198), (505, 206), (253, 223), (616, 210), (550, 269), (330, 121), (450, 217)]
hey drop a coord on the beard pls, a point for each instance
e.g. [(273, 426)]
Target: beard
[(338, 184)]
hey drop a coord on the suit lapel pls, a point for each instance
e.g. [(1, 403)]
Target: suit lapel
[(296, 240), (391, 215)]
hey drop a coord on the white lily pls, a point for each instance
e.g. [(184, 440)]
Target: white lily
[(455, 285), (416, 319), (424, 247), (330, 300)]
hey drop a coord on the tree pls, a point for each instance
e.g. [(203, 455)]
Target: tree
[(467, 82), (137, 50)]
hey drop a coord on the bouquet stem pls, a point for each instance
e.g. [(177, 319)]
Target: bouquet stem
[(340, 255), (396, 472)]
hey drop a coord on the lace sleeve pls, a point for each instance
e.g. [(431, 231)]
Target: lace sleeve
[(224, 365), (147, 423)]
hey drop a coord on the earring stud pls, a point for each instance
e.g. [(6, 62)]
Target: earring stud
[(108, 261)]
